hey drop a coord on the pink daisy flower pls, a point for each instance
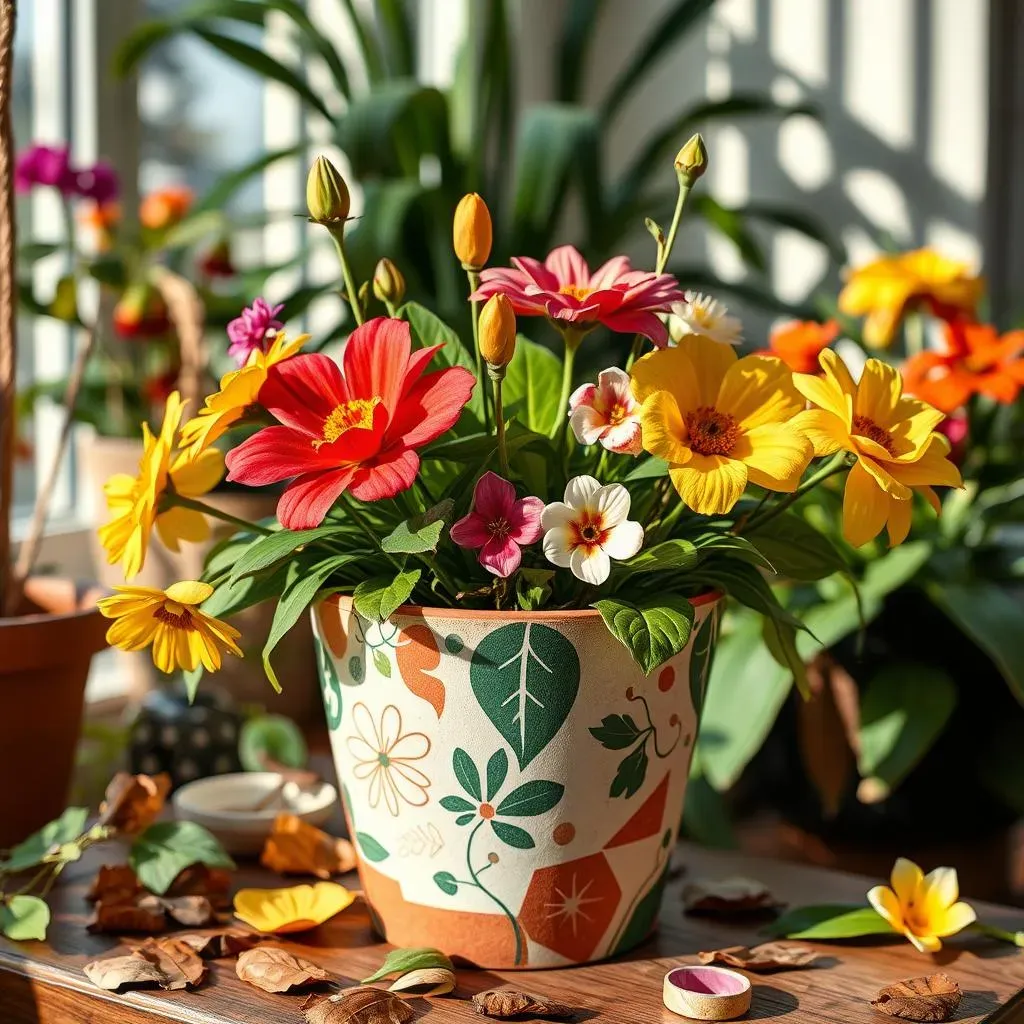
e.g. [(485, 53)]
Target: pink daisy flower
[(253, 330), (564, 289), (498, 524), (607, 412)]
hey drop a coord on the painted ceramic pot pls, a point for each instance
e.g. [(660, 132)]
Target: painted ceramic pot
[(513, 782)]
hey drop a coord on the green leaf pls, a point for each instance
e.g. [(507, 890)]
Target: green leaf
[(669, 554), (707, 818), (267, 550), (631, 774), (833, 921), (465, 819), (445, 881), (217, 197), (644, 917), (378, 598), (904, 709), (616, 732), (653, 629), (780, 638), (578, 25), (23, 918), (381, 663), (733, 225), (165, 849), (536, 797), (467, 774), (533, 588), (402, 961), (193, 229), (31, 851), (457, 804), (702, 653), (796, 549), (648, 469), (420, 533), (370, 848), (497, 770), (992, 619), (513, 835), (533, 383)]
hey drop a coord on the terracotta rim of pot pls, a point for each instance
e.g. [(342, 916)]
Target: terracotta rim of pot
[(431, 611), (57, 593)]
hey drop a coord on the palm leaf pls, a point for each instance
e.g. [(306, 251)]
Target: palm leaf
[(577, 30)]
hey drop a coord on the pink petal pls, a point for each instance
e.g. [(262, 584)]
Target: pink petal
[(471, 531), (624, 439), (375, 360), (493, 497), (583, 395), (568, 265), (537, 273), (392, 473), (609, 273), (303, 391), (572, 316), (615, 387), (500, 556), (525, 520), (636, 322), (307, 500), (587, 424)]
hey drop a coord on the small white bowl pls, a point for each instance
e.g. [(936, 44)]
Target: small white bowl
[(220, 804)]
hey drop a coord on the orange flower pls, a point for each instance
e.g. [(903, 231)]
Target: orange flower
[(164, 207), (102, 218), (977, 361), (799, 343)]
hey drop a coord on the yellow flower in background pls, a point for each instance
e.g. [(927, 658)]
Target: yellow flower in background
[(135, 501), (922, 907), (892, 437), (238, 390), (182, 636), (720, 421), (296, 909), (883, 289)]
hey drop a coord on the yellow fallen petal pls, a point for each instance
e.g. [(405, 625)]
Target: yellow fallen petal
[(293, 909)]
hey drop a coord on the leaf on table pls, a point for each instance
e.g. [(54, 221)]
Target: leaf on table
[(417, 958), (276, 970), (133, 802), (31, 851), (190, 911), (769, 956), (203, 880), (24, 917), (177, 960), (164, 850), (119, 972), (296, 847), (360, 1006), (429, 981), (727, 896), (143, 912), (114, 883), (931, 998), (506, 1003), (220, 944)]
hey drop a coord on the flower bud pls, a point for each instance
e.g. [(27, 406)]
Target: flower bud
[(692, 160), (141, 312), (471, 231), (388, 283), (498, 331), (326, 193)]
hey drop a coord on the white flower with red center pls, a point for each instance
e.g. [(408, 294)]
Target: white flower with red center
[(607, 412), (498, 524), (588, 529), (704, 315)]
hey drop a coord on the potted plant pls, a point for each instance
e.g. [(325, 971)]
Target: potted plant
[(514, 580)]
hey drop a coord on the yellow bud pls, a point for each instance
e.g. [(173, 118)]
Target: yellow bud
[(471, 231), (388, 283), (692, 159), (326, 193), (498, 331)]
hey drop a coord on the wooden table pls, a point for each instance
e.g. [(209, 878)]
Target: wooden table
[(43, 983)]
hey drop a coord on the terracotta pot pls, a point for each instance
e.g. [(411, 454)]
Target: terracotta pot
[(44, 666), (513, 782), (243, 679)]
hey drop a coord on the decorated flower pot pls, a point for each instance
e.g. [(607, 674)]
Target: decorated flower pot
[(512, 780)]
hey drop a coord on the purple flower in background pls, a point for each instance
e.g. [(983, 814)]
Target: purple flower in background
[(44, 165), (98, 182), (253, 330)]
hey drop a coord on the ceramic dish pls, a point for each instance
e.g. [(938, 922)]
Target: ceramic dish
[(240, 808), (707, 993)]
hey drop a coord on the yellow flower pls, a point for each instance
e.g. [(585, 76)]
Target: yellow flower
[(891, 436), (182, 636), (238, 390), (291, 910), (883, 289), (922, 907), (136, 501), (720, 421)]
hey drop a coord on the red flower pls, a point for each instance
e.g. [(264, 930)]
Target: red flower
[(563, 288), (799, 343), (355, 428)]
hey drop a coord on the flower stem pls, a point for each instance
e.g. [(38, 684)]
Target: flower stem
[(390, 307), (833, 466), (1016, 938), (338, 237), (180, 501), (475, 875), (571, 344), (359, 519), (499, 419), (913, 333), (474, 283), (670, 240)]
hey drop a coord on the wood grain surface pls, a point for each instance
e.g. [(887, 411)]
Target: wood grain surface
[(43, 983)]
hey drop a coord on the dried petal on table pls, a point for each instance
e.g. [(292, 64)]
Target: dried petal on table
[(144, 913), (505, 1003), (276, 970), (190, 911), (119, 972), (220, 944), (114, 883), (360, 1006), (769, 956), (133, 802), (430, 981), (727, 896), (295, 909), (296, 847), (202, 880), (932, 998), (178, 961)]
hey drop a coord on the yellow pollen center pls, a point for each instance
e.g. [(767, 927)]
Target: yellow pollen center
[(710, 432), (868, 428), (617, 415), (177, 616), (357, 413), (589, 530), (575, 291)]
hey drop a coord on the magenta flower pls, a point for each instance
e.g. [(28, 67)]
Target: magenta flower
[(607, 412), (564, 289), (253, 330), (498, 524), (44, 165), (98, 182)]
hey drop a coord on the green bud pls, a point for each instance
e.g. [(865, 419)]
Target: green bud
[(388, 282), (327, 195), (692, 160)]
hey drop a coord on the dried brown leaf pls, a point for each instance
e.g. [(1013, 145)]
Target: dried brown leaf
[(506, 1003), (114, 883), (770, 956), (362, 1005), (202, 880), (190, 911), (932, 998), (220, 944), (727, 896), (119, 972), (134, 802), (296, 847), (177, 960), (427, 981), (276, 970), (143, 913)]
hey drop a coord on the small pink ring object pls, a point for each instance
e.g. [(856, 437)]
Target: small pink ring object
[(706, 993)]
